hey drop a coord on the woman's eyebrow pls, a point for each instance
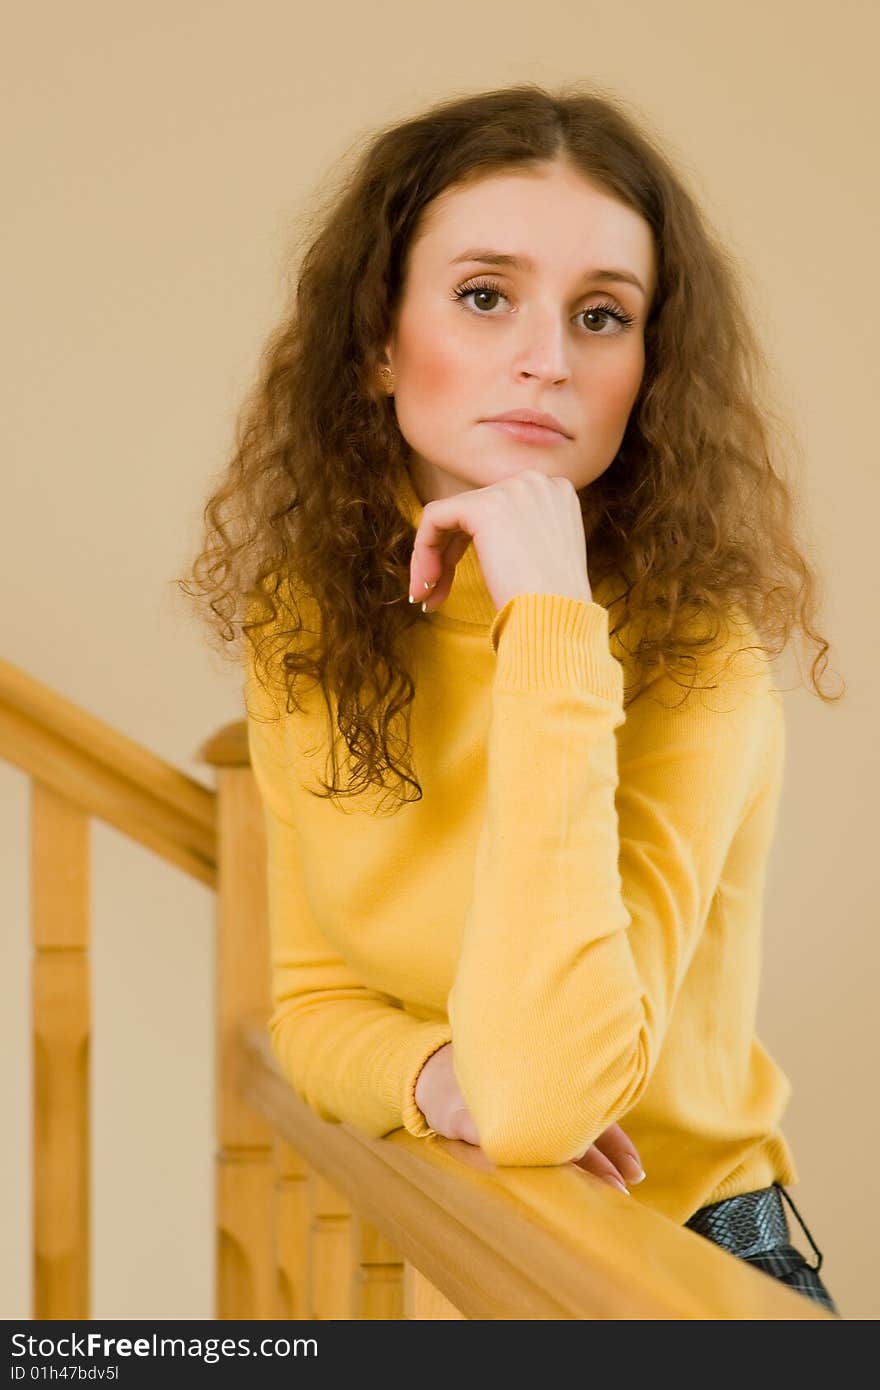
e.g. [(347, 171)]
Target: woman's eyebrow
[(486, 257)]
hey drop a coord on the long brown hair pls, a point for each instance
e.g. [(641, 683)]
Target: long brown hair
[(693, 515)]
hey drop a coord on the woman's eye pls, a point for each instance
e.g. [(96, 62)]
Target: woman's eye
[(464, 292), (497, 294), (604, 312), (608, 312)]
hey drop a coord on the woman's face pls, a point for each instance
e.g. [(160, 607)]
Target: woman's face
[(532, 338)]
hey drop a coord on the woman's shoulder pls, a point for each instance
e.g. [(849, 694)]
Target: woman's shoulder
[(714, 652)]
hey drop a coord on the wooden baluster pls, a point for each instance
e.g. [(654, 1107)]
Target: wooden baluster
[(330, 1256), (244, 1286), (423, 1300), (291, 1226), (61, 999), (245, 1178), (378, 1274)]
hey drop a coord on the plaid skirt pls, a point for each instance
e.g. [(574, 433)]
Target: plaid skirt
[(754, 1226)]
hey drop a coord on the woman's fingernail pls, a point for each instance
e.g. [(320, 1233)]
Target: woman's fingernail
[(411, 599), (429, 586), (424, 607), (615, 1182), (632, 1169)]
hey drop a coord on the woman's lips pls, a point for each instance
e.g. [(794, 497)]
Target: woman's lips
[(527, 434)]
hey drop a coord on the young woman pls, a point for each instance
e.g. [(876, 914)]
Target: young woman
[(504, 519)]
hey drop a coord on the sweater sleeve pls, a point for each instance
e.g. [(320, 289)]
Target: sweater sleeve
[(591, 884), (351, 1053)]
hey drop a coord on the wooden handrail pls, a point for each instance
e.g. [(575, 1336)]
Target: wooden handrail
[(515, 1243), (106, 774), (314, 1219)]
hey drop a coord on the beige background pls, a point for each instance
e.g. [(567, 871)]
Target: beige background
[(156, 155)]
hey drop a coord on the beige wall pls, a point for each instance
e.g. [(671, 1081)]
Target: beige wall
[(156, 156)]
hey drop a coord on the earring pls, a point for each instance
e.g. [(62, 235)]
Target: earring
[(387, 380)]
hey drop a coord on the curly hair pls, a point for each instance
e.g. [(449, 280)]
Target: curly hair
[(693, 515)]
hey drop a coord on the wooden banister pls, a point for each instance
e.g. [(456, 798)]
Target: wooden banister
[(79, 767), (518, 1243), (106, 774), (314, 1220)]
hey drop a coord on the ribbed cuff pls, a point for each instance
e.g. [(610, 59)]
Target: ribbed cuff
[(429, 1039), (546, 640)]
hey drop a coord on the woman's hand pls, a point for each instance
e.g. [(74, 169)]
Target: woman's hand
[(440, 1100), (612, 1157), (528, 531)]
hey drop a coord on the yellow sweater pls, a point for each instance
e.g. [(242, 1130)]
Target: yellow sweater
[(576, 902)]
